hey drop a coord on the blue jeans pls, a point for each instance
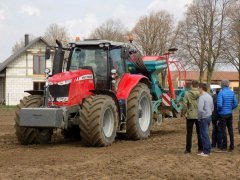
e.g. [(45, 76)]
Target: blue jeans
[(204, 129)]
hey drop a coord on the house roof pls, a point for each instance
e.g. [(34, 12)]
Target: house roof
[(5, 63), (217, 75)]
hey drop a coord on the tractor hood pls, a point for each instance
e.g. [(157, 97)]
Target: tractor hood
[(70, 88), (69, 76)]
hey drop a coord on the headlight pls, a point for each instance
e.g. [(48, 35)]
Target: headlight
[(64, 82)]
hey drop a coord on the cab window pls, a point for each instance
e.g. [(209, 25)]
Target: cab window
[(117, 61)]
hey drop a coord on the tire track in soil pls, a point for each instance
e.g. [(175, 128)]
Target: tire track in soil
[(158, 157)]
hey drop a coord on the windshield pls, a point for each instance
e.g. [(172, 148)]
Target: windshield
[(93, 57)]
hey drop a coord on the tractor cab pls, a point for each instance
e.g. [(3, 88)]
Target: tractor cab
[(101, 57), (93, 58)]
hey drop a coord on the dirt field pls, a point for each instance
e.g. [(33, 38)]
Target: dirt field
[(159, 157)]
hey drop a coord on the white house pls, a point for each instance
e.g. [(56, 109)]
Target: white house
[(24, 70)]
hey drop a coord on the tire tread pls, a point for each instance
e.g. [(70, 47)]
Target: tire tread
[(25, 135)]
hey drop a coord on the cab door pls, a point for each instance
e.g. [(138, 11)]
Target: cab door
[(117, 62)]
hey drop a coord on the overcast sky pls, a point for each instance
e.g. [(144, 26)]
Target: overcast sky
[(18, 17)]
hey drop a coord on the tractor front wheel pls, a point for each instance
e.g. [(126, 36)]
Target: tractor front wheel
[(98, 121), (139, 112), (25, 135)]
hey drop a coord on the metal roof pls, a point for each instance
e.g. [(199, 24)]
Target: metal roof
[(97, 42), (4, 64)]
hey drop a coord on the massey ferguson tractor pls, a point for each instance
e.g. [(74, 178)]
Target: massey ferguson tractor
[(100, 90)]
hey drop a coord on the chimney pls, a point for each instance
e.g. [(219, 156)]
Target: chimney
[(26, 39)]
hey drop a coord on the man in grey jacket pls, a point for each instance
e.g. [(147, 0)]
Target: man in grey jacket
[(205, 109)]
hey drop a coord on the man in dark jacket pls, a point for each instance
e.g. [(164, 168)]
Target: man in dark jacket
[(216, 133), (190, 110), (226, 102)]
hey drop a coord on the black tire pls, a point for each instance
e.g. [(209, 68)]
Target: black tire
[(138, 128), (25, 135), (71, 133), (92, 113)]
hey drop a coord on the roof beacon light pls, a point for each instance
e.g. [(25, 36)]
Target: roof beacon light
[(130, 38), (77, 39)]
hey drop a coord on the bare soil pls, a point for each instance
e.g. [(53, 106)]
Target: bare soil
[(159, 157)]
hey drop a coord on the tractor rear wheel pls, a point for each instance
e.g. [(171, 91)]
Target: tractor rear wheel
[(27, 135), (139, 112), (98, 121)]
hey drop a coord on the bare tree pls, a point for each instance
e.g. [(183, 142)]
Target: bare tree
[(110, 30), (232, 50), (203, 34), (217, 33), (54, 32), (21, 43), (153, 33), (191, 40)]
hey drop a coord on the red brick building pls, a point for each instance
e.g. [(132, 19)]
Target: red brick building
[(217, 77)]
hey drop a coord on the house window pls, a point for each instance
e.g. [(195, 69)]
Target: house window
[(38, 86), (39, 64)]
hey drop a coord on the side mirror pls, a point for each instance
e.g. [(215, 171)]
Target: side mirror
[(47, 53), (124, 53)]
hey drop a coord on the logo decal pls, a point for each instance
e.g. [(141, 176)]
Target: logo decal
[(84, 77)]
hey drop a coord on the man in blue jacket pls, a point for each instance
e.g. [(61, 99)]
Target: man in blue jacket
[(226, 102)]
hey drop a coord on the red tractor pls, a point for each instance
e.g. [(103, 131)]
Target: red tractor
[(94, 94)]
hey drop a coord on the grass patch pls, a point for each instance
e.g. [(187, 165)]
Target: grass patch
[(4, 107)]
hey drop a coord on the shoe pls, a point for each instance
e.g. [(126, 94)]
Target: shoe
[(187, 152), (203, 154), (214, 150), (199, 151), (221, 150), (231, 150)]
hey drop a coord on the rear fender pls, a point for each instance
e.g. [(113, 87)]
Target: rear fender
[(128, 82)]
